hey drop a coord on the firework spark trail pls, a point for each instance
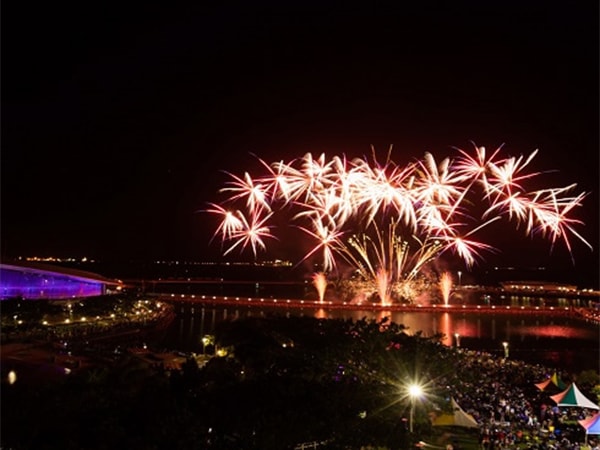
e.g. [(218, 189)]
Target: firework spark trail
[(446, 284), (424, 202), (230, 224), (438, 184), (327, 239), (383, 286), (320, 283), (251, 233), (255, 193)]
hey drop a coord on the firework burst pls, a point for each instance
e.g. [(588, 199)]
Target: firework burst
[(387, 221)]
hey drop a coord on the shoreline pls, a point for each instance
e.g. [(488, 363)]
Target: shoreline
[(42, 357), (578, 312)]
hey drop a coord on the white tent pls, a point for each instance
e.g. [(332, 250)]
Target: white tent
[(458, 419), (572, 396)]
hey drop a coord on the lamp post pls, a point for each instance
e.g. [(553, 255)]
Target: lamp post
[(205, 342), (414, 392), (505, 345), (457, 337), (459, 278)]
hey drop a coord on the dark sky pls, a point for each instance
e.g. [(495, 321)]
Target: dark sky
[(118, 121)]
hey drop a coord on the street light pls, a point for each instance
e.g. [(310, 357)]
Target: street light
[(505, 345), (457, 337), (459, 277), (414, 392), (205, 342)]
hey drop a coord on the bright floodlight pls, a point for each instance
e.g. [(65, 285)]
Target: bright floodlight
[(414, 390)]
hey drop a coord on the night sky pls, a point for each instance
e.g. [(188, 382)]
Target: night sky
[(118, 121)]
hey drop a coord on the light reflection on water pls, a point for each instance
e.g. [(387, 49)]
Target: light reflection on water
[(557, 341)]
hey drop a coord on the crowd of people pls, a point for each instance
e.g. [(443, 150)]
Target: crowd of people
[(512, 411)]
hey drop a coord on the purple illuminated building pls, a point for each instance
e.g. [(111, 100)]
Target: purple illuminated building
[(35, 281)]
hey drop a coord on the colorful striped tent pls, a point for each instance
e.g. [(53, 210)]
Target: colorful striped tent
[(591, 425), (553, 381), (572, 396)]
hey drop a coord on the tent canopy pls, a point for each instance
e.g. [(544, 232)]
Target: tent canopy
[(591, 424), (553, 381), (556, 381), (572, 396), (544, 384), (458, 419)]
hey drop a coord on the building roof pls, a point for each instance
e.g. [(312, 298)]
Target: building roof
[(43, 268)]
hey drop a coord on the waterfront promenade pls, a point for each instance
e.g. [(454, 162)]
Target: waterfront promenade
[(581, 312)]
